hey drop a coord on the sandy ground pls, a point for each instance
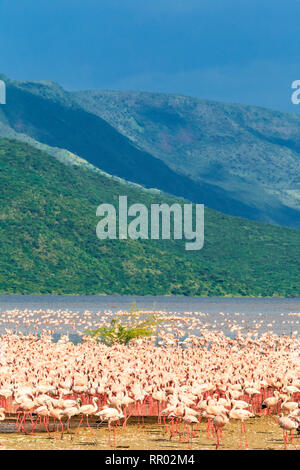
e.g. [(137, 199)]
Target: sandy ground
[(152, 436)]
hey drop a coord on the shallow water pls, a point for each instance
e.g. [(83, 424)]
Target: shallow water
[(153, 437)]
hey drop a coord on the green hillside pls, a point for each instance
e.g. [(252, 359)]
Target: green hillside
[(48, 242)]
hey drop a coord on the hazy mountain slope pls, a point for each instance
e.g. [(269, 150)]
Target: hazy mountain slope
[(48, 114), (63, 155), (252, 153), (48, 242)]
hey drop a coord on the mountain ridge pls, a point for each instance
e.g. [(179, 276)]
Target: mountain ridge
[(54, 117), (200, 140), (64, 124)]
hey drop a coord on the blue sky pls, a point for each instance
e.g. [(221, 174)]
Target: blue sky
[(245, 51)]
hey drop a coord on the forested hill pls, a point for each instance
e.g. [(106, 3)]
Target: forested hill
[(49, 245)]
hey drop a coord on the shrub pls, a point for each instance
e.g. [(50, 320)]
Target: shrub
[(138, 324)]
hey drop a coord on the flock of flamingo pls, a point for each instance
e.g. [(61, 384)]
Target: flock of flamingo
[(207, 376)]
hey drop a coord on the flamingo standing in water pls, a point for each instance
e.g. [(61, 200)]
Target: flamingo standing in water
[(251, 392), (212, 410), (269, 404), (27, 406), (110, 415), (190, 419), (219, 422), (42, 411), (287, 424), (87, 410), (241, 415), (57, 413), (70, 412)]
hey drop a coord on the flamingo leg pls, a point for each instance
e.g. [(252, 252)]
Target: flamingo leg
[(190, 437), (77, 430), (62, 430), (35, 424), (109, 441), (125, 420), (216, 438), (241, 438), (246, 442), (114, 432), (208, 428), (45, 422)]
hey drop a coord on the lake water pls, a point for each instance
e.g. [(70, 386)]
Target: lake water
[(268, 311), (95, 303)]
